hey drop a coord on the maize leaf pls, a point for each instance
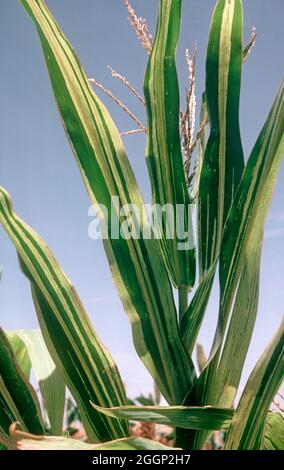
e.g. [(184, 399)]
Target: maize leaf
[(247, 425), (238, 338), (223, 162), (18, 400), (246, 219), (178, 416), (243, 229), (142, 280), (164, 156), (49, 378), (200, 150), (87, 367), (21, 353), (273, 434), (25, 441)]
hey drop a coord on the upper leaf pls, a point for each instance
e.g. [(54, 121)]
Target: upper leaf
[(223, 162), (164, 156)]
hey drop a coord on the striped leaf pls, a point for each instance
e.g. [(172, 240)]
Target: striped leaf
[(164, 156), (247, 425), (87, 367), (192, 319), (18, 400), (243, 230), (49, 378), (238, 337), (200, 148), (136, 264), (177, 416), (223, 160)]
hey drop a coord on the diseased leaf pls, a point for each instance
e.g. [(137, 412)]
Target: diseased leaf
[(223, 162), (243, 229), (179, 416), (164, 156), (18, 400), (21, 353), (136, 263), (247, 426), (26, 441), (87, 367)]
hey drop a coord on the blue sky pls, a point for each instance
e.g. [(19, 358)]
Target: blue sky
[(39, 171)]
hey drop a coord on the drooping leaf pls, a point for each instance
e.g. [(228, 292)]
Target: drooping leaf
[(49, 378), (223, 162), (26, 441), (136, 263), (87, 367), (179, 416), (246, 430), (193, 317), (164, 156), (18, 400)]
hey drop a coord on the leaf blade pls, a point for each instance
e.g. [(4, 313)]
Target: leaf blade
[(246, 429), (223, 162), (86, 365), (142, 282), (163, 153), (18, 400), (49, 378), (177, 416)]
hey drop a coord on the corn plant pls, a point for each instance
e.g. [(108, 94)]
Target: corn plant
[(204, 169)]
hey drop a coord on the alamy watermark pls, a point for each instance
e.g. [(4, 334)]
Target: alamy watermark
[(151, 221)]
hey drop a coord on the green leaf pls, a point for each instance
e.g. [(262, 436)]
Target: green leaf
[(223, 162), (164, 156), (240, 330), (192, 319), (18, 400), (28, 442), (243, 229), (179, 416), (273, 436), (246, 429), (244, 225), (48, 376), (87, 367), (142, 281), (200, 148), (21, 353)]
